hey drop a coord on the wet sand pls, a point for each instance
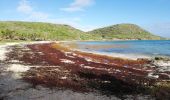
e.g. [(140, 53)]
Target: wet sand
[(53, 65)]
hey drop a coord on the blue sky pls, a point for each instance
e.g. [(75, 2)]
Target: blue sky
[(153, 15)]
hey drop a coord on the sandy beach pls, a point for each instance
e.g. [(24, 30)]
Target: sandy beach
[(51, 67)]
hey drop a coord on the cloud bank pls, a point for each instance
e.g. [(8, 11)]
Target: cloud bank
[(25, 7), (78, 5)]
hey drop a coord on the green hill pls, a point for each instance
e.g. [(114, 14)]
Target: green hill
[(124, 31), (14, 30), (39, 31)]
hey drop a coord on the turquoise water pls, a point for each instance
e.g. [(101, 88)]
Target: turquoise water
[(135, 47)]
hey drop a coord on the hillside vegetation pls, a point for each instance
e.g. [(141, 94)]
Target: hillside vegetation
[(13, 30), (124, 31), (39, 31)]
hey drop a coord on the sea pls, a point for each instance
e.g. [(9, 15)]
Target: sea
[(128, 49)]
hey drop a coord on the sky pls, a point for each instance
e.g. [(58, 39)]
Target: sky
[(152, 15)]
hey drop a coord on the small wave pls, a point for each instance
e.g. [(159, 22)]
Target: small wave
[(119, 55)]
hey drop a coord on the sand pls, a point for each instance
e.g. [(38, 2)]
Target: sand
[(55, 68)]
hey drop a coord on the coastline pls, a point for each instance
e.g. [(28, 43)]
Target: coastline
[(73, 45), (52, 64)]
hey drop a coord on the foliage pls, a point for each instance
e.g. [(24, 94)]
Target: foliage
[(38, 31), (124, 31), (13, 30)]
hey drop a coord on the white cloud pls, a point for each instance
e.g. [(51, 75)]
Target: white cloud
[(78, 5), (25, 7)]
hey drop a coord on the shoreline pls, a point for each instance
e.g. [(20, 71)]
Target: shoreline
[(73, 46), (51, 65), (113, 55)]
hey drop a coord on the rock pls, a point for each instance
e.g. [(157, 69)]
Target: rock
[(164, 76), (143, 59), (151, 75), (162, 58)]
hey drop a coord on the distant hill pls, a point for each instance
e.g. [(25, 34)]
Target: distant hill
[(124, 31), (15, 30)]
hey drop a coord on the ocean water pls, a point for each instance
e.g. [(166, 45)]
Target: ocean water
[(132, 48)]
